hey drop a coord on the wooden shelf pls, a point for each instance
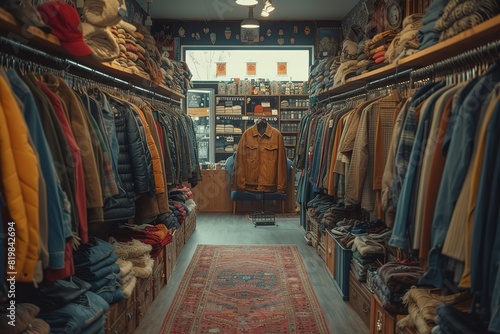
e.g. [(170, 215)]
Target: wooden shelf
[(290, 120), (294, 108), (49, 44), (228, 134), (467, 40)]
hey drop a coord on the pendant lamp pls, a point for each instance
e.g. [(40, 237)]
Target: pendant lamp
[(250, 22), (246, 2)]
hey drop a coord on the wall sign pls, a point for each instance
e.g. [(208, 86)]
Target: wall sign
[(282, 68), (221, 69), (251, 68)]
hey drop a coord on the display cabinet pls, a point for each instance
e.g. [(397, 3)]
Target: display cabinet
[(200, 108), (292, 109)]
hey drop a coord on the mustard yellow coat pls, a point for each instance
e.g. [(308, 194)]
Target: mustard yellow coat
[(20, 174)]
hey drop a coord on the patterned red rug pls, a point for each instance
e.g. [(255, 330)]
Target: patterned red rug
[(245, 289)]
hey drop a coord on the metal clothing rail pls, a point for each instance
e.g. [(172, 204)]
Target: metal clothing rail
[(66, 65), (469, 60), (396, 77)]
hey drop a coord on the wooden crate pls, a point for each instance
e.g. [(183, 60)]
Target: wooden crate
[(189, 226), (120, 318), (179, 239)]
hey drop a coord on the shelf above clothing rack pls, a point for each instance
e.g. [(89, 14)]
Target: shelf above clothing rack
[(467, 40), (34, 38)]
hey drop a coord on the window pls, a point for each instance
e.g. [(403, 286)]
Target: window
[(203, 63)]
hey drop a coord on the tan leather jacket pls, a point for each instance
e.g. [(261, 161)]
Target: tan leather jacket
[(260, 163)]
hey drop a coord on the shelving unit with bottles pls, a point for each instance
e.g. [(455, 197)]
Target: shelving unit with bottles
[(292, 109), (236, 113)]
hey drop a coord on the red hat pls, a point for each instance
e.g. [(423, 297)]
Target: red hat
[(66, 25)]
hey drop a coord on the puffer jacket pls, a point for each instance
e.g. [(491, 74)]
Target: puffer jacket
[(134, 165), (19, 176)]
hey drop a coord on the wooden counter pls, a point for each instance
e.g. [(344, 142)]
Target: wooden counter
[(213, 194)]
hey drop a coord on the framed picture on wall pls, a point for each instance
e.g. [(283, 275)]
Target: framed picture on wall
[(328, 42), (250, 35)]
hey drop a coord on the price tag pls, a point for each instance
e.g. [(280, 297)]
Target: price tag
[(245, 118), (330, 124)]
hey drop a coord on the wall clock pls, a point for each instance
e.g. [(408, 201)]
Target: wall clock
[(393, 14)]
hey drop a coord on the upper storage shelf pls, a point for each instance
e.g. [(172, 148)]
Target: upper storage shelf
[(477, 36), (47, 43)]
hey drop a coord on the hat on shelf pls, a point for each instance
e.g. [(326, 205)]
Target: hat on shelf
[(104, 13), (66, 25)]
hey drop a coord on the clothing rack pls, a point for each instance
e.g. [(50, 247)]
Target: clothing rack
[(396, 77), (469, 60), (67, 66)]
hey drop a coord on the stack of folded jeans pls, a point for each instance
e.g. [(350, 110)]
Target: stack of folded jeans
[(68, 306), (95, 263), (450, 321), (85, 315)]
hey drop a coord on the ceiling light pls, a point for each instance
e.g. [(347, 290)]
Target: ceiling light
[(268, 7), (250, 22), (263, 13), (246, 2)]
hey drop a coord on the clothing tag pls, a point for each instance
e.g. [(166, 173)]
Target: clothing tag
[(330, 123)]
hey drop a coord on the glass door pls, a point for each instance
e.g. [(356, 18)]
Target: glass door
[(199, 106)]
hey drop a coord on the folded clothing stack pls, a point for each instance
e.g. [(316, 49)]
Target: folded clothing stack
[(459, 15), (377, 47), (361, 265), (406, 42), (349, 56), (95, 263), (136, 252), (153, 57), (219, 109), (392, 282), (156, 236), (422, 303), (99, 16), (132, 53), (220, 128), (321, 75), (428, 34), (236, 109), (127, 277)]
